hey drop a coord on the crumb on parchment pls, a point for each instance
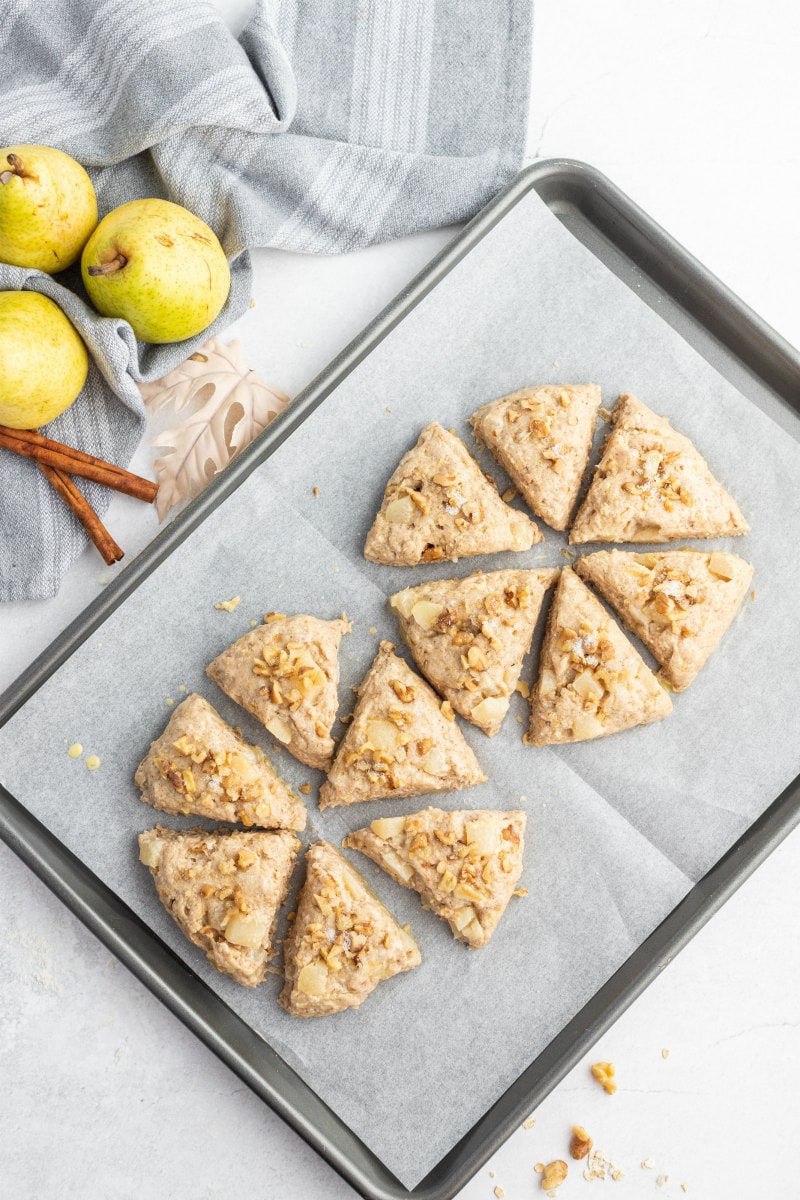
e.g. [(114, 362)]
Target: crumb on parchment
[(598, 1165), (75, 750), (227, 605), (92, 762)]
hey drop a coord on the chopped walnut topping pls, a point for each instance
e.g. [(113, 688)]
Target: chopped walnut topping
[(405, 694)]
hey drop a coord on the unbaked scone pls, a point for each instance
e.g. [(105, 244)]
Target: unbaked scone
[(469, 636), (542, 437), (439, 505), (465, 865), (402, 740), (592, 682), (343, 941), (223, 890), (200, 765), (679, 602), (286, 673), (652, 485)]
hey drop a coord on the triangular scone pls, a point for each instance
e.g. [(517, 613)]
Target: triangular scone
[(343, 941), (286, 673), (651, 485), (224, 890), (592, 682), (465, 865), (440, 505), (679, 602), (542, 437), (469, 636), (200, 765), (402, 740)]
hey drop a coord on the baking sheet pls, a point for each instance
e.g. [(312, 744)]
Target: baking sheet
[(618, 830)]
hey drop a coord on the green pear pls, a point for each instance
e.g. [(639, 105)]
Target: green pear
[(159, 267), (43, 362), (47, 208)]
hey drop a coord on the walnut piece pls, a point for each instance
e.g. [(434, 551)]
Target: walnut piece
[(604, 1074), (554, 1174), (581, 1143)]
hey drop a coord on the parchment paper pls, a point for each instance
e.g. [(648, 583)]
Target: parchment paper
[(618, 829)]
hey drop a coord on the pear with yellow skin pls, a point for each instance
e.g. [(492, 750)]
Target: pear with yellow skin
[(47, 208), (43, 361), (159, 267)]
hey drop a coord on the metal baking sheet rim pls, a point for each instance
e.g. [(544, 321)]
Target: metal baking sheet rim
[(652, 251)]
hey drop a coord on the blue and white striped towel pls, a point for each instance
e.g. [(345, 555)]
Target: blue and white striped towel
[(324, 127)]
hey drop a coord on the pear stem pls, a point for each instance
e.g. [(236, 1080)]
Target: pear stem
[(108, 268), (15, 163)]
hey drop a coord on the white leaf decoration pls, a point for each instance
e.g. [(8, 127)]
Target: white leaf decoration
[(235, 405)]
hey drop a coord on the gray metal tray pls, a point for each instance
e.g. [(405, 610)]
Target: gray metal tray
[(743, 349)]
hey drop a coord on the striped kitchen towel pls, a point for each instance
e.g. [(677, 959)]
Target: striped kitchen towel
[(324, 127)]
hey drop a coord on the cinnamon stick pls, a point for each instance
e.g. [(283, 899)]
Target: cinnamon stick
[(30, 444), (88, 518), (33, 435)]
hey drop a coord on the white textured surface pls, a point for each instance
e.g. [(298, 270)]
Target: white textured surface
[(690, 106)]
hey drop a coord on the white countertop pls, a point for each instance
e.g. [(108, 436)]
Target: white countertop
[(691, 107)]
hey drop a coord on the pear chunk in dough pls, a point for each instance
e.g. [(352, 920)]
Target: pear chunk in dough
[(542, 437), (465, 865), (652, 485), (592, 682), (286, 673), (223, 890), (469, 636), (343, 941), (678, 602), (200, 765), (439, 505), (402, 740)]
